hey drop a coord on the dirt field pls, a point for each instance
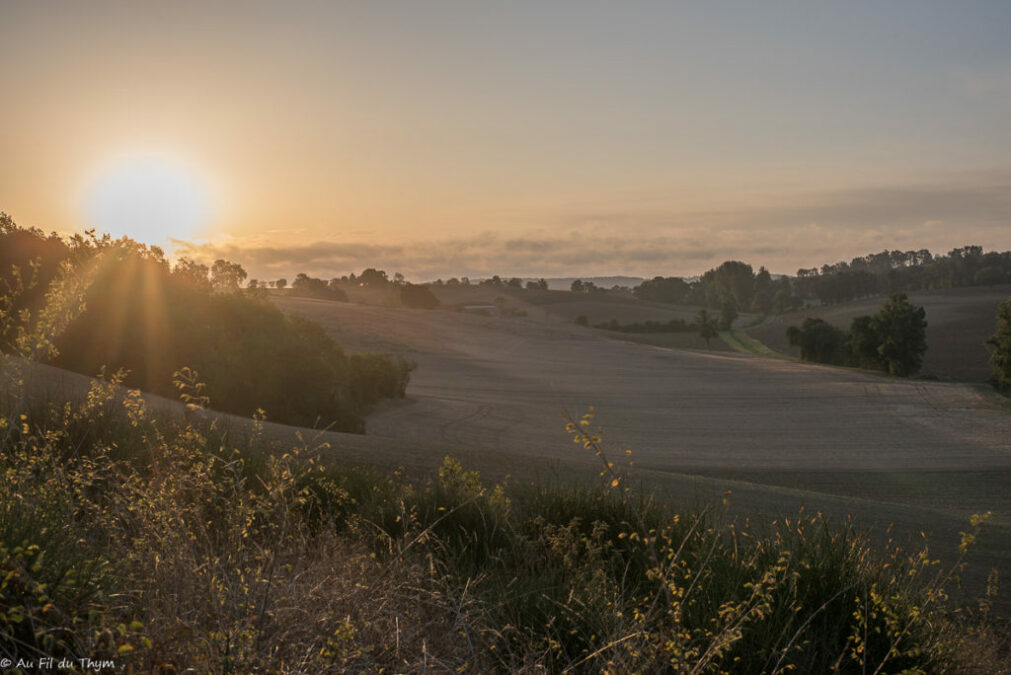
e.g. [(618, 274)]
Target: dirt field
[(923, 456), (918, 456), (958, 321)]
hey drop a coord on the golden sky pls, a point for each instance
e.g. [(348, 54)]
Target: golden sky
[(461, 138)]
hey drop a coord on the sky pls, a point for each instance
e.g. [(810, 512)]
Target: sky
[(521, 139)]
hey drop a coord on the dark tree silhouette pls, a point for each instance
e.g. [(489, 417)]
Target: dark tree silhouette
[(893, 340), (227, 277), (418, 296), (373, 278), (819, 341), (1000, 345), (903, 331), (707, 326), (728, 313), (311, 287), (671, 290)]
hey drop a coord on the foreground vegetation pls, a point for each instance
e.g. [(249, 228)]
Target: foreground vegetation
[(163, 543)]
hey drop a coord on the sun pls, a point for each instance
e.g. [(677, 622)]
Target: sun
[(150, 199)]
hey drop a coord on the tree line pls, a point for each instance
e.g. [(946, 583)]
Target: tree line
[(736, 285)]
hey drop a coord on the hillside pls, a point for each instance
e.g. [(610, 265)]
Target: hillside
[(780, 434), (959, 320)]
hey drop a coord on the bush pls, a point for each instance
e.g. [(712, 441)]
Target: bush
[(311, 287), (893, 340), (418, 297), (818, 341), (378, 376), (1000, 346)]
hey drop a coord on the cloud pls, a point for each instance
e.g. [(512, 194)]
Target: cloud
[(784, 233)]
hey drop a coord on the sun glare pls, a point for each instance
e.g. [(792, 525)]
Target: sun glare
[(150, 199)]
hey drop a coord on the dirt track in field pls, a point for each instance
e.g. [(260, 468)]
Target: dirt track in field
[(781, 434)]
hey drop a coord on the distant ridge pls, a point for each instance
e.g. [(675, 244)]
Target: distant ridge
[(565, 283)]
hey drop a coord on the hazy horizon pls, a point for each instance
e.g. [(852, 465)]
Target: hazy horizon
[(454, 139)]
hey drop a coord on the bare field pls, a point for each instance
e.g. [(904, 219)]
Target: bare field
[(958, 322), (921, 456)]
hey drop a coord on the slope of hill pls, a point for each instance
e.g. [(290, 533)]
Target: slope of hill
[(780, 434), (959, 320)]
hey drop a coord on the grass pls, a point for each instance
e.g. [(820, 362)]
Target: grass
[(742, 342), (163, 543)]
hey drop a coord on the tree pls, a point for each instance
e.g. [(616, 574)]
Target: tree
[(733, 281), (226, 277), (819, 341), (989, 276), (728, 313), (671, 290), (863, 343), (1000, 345), (418, 296), (707, 326), (893, 340), (373, 278), (311, 287), (281, 283), (192, 273), (903, 329), (577, 286)]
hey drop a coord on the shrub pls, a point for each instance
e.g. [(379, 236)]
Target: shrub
[(1000, 346), (311, 287), (818, 341), (893, 340), (418, 296)]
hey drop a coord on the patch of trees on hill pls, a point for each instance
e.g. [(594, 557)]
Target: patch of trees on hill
[(311, 287), (892, 341), (735, 284), (732, 287), (151, 318)]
